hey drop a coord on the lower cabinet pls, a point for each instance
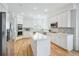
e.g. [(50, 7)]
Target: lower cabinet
[(41, 47), (63, 40)]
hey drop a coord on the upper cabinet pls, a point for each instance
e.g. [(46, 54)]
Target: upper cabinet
[(63, 19), (19, 19)]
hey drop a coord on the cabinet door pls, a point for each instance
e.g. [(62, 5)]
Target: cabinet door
[(19, 19), (60, 20), (54, 37), (59, 39), (70, 42), (64, 19), (64, 41)]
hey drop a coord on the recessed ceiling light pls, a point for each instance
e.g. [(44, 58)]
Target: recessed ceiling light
[(45, 10), (35, 8)]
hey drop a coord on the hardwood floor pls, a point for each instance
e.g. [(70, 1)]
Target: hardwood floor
[(57, 51), (22, 47)]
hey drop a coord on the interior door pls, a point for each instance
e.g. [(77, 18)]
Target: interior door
[(2, 33)]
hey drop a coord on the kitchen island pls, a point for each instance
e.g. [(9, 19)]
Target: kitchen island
[(41, 45)]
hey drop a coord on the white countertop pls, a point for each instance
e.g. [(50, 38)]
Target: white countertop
[(39, 36)]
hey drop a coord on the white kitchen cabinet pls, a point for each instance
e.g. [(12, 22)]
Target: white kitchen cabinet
[(19, 19), (41, 45), (60, 21), (70, 42), (66, 19), (63, 19), (63, 40)]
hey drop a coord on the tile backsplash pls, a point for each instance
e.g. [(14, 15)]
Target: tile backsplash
[(68, 30)]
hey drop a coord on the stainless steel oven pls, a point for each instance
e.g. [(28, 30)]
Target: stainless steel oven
[(20, 26), (20, 29)]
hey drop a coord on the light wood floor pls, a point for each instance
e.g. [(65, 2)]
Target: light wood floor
[(22, 47), (57, 51)]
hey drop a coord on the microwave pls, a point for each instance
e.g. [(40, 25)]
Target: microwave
[(54, 25)]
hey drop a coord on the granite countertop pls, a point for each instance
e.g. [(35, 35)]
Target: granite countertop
[(68, 30)]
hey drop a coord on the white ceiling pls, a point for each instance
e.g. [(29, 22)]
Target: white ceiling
[(28, 7), (35, 8)]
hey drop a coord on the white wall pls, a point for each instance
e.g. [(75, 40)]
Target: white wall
[(73, 24), (3, 8), (36, 22), (77, 26)]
